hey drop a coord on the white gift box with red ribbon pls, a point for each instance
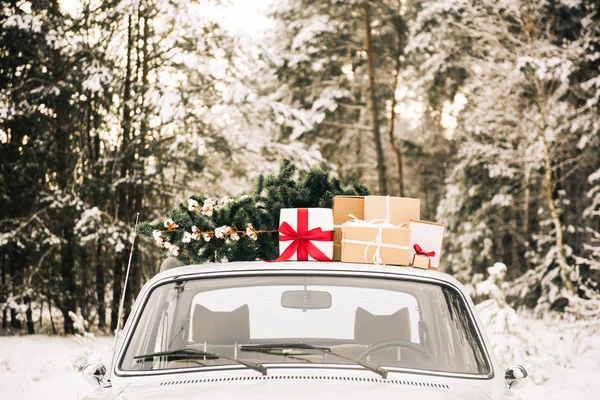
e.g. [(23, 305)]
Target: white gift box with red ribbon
[(426, 239), (305, 234)]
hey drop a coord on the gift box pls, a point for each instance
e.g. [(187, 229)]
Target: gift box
[(426, 240), (305, 234), (375, 243), (343, 207), (393, 210), (420, 261)]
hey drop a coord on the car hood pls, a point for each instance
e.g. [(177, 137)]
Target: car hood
[(300, 389)]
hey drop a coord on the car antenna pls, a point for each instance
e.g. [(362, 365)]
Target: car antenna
[(122, 302)]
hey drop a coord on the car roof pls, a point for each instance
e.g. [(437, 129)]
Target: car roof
[(335, 267)]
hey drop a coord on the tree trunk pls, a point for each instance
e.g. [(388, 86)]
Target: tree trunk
[(41, 319), (29, 316), (4, 294), (137, 191), (15, 323), (515, 223), (66, 224), (395, 147), (123, 196), (565, 269), (126, 123), (127, 190), (381, 168), (16, 280), (526, 221), (51, 318), (117, 282), (69, 287), (100, 290)]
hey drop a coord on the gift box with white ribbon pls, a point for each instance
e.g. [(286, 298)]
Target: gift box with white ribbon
[(305, 234), (393, 210), (375, 243)]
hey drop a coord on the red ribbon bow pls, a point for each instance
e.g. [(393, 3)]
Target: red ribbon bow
[(301, 240), (419, 250)]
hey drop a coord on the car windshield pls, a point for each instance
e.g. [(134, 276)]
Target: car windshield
[(276, 319)]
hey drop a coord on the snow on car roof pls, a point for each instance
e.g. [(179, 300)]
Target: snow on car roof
[(247, 266)]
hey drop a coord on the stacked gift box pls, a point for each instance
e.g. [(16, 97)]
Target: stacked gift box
[(369, 229)]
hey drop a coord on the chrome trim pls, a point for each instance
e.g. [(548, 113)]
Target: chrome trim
[(312, 366), (342, 273)]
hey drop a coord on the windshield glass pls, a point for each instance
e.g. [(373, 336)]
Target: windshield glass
[(391, 323)]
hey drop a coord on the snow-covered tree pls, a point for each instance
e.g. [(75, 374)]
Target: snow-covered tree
[(109, 109), (337, 62), (526, 139)]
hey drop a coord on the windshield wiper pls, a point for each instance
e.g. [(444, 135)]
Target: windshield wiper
[(283, 348), (286, 349), (197, 354)]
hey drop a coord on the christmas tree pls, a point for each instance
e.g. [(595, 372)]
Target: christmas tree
[(243, 228)]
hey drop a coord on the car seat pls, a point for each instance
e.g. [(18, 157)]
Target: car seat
[(370, 329)]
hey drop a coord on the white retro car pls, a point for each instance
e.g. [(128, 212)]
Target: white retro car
[(303, 330)]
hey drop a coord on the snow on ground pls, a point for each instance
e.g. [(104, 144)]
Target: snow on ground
[(48, 367), (566, 363)]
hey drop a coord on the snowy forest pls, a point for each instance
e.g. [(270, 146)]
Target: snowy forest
[(488, 111)]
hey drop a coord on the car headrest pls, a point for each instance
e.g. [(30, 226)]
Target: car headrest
[(168, 263), (217, 327), (370, 328)]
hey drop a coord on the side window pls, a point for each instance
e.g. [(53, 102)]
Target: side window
[(155, 324), (461, 334)]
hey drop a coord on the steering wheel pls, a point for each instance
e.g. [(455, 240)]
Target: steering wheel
[(395, 343)]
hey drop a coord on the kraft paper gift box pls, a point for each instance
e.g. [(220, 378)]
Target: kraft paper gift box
[(394, 210), (420, 261), (371, 244), (343, 207), (305, 234), (428, 236)]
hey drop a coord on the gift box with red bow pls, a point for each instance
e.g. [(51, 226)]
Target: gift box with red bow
[(426, 243), (305, 234), (421, 259)]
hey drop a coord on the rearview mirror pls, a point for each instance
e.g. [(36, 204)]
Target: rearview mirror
[(306, 299)]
